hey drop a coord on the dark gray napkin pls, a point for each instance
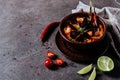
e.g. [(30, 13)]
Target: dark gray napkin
[(112, 18)]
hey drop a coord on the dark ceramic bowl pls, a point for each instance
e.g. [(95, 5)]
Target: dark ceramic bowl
[(76, 46)]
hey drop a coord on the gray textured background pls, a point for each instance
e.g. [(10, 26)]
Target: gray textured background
[(21, 52)]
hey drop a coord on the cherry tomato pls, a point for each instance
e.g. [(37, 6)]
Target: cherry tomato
[(59, 62), (50, 54), (48, 63)]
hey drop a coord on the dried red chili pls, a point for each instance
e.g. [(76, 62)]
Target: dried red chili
[(95, 18), (50, 27)]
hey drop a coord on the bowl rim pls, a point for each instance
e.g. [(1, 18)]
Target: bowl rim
[(77, 13)]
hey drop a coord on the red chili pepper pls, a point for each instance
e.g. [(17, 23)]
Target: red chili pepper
[(47, 29), (95, 19)]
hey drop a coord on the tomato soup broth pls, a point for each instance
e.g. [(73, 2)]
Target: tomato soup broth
[(82, 30)]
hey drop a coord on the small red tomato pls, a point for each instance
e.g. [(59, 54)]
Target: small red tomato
[(59, 61), (50, 54), (48, 63)]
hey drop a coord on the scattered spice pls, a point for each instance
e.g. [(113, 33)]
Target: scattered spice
[(14, 58), (31, 66), (20, 26), (30, 43), (46, 45), (31, 24), (3, 54), (38, 74), (26, 34)]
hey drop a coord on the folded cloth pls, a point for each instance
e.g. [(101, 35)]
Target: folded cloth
[(112, 18)]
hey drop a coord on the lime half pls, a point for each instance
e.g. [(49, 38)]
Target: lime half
[(85, 69), (93, 74), (105, 63)]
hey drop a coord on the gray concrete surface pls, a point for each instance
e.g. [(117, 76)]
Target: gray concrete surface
[(21, 52)]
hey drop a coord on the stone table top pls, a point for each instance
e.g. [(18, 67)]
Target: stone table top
[(21, 52)]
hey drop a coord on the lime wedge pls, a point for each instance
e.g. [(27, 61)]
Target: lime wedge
[(85, 69), (105, 63), (93, 74)]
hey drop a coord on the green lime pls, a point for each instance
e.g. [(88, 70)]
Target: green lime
[(85, 69), (105, 63), (93, 74)]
